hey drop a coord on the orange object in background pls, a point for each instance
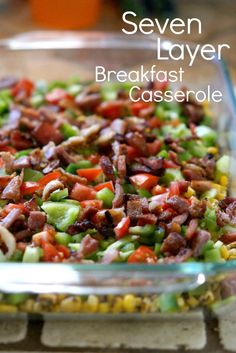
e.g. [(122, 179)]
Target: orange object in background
[(65, 14)]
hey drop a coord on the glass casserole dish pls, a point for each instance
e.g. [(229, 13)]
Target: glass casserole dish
[(113, 288)]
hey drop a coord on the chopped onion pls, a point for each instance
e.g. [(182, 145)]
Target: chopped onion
[(9, 240)]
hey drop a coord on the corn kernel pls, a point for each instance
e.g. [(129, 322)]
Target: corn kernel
[(231, 245), (70, 304), (91, 304), (192, 302), (118, 306), (224, 252), (190, 192), (103, 308), (180, 302), (212, 150), (232, 252), (7, 308), (50, 298), (224, 180), (129, 303)]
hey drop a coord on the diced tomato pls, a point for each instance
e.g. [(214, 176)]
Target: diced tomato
[(122, 227), (108, 185), (4, 180), (49, 177), (56, 95), (154, 147), (94, 158), (11, 206), (132, 153), (170, 164), (154, 122), (10, 149), (138, 106), (90, 173), (29, 187), (23, 86), (81, 192), (143, 255), (144, 180), (43, 237), (93, 203), (50, 252), (63, 250), (158, 190), (174, 189), (112, 109)]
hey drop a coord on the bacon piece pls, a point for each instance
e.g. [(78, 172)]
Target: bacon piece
[(192, 228), (107, 168), (36, 220), (134, 209), (199, 241), (121, 167), (197, 208), (228, 238), (201, 185), (45, 132), (154, 163), (80, 226), (119, 195), (147, 218), (180, 219), (22, 162), (12, 190), (136, 140), (119, 126), (110, 256), (87, 246), (20, 140), (88, 101), (173, 244), (178, 204), (12, 216), (183, 255), (64, 157)]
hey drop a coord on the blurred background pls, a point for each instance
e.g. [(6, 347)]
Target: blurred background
[(218, 17)]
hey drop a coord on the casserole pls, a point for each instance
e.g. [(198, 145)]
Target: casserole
[(57, 56)]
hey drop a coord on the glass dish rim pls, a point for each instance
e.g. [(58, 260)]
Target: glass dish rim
[(65, 40)]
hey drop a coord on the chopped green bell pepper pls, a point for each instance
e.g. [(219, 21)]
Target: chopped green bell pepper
[(61, 214), (207, 135), (16, 298), (32, 254), (144, 193), (213, 255), (168, 302), (68, 130), (57, 195), (171, 174), (23, 153), (63, 238), (72, 167), (32, 175), (107, 196)]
